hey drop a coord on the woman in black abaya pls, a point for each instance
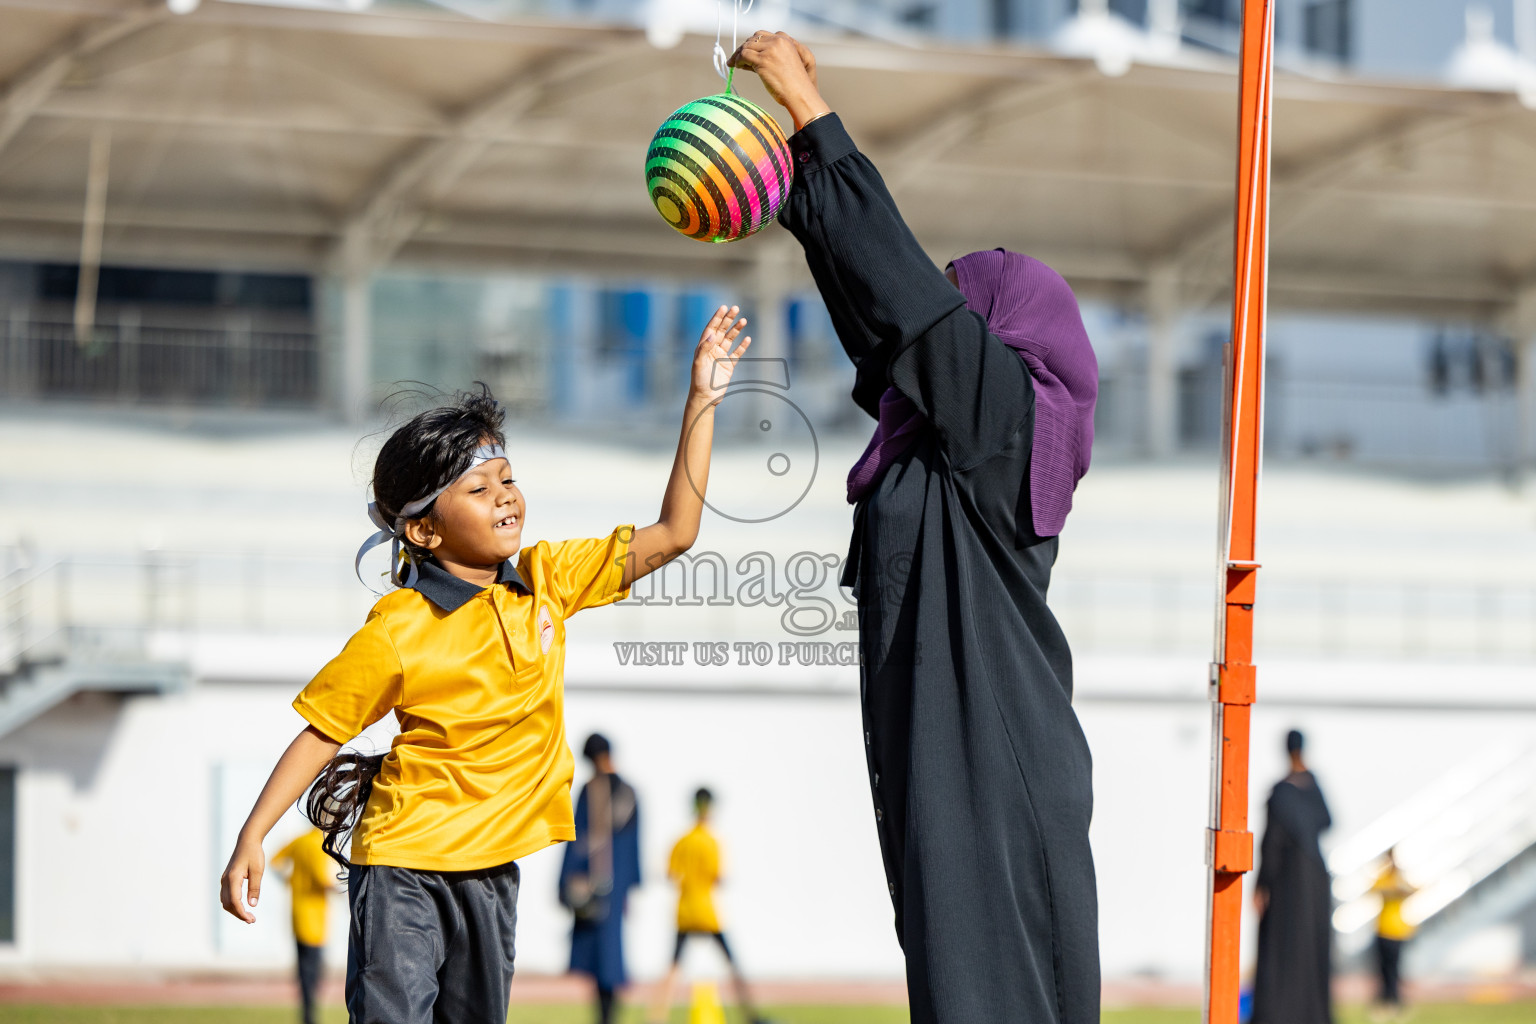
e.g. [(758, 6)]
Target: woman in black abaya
[(983, 388), (1294, 898)]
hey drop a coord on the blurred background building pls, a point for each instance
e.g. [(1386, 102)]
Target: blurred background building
[(238, 237)]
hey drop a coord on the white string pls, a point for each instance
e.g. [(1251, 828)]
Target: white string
[(722, 68)]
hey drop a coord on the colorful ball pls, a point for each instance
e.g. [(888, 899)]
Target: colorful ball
[(719, 168)]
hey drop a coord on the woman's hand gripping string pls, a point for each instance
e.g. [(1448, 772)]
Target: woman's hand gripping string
[(788, 71), (682, 507)]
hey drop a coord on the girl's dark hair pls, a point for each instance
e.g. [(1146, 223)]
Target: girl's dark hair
[(432, 449), (336, 800)]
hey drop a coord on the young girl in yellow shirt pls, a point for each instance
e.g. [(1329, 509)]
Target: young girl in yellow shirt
[(309, 874), (469, 654), (695, 867)]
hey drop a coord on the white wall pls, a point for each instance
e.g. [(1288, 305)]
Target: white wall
[(121, 840), (122, 836)]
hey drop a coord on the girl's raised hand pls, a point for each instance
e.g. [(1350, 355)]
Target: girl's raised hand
[(714, 361)]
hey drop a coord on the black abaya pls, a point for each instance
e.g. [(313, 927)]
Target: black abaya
[(1291, 985), (981, 775)]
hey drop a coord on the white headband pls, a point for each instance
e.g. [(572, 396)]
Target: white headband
[(394, 532)]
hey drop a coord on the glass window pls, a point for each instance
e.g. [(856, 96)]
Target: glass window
[(1223, 11), (1131, 10), (7, 854), (1326, 24)]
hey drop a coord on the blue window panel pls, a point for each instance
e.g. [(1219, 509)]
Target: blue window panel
[(560, 318), (635, 320)]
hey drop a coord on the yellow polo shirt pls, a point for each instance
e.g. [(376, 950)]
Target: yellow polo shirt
[(480, 774), (695, 864), (1394, 889), (311, 871)]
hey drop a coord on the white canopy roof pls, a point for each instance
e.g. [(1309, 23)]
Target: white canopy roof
[(270, 137)]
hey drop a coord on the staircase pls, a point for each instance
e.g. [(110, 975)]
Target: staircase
[(47, 655), (1468, 843)]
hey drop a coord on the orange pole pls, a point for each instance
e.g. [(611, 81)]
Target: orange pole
[(1229, 846)]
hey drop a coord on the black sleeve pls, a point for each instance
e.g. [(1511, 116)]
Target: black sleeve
[(1271, 851), (900, 321)]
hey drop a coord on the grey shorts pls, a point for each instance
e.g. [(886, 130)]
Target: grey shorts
[(430, 947)]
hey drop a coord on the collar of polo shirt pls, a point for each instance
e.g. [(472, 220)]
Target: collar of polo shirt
[(450, 593)]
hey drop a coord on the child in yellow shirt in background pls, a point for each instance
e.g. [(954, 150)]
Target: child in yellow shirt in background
[(695, 867), (469, 654), (309, 871), (1392, 931)]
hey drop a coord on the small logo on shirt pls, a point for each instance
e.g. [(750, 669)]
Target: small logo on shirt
[(546, 628)]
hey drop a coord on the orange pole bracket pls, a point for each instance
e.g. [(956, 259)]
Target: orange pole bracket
[(1229, 843), (1231, 852)]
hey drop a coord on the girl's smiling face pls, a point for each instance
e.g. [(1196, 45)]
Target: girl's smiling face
[(477, 522)]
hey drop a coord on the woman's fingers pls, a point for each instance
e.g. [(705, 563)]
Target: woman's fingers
[(253, 886), (730, 335), (807, 58), (745, 342), (748, 53), (751, 52)]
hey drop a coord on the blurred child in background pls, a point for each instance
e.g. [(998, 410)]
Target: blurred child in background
[(695, 867), (598, 871), (1392, 931), (469, 653), (308, 870)]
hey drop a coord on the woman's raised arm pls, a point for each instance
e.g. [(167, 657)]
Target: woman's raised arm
[(901, 321)]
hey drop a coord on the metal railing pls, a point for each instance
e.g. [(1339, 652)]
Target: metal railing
[(52, 609), (1394, 423), (116, 600), (1334, 617), (203, 358), (263, 590)]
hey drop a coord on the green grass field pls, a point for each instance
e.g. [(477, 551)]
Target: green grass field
[(1459, 1013)]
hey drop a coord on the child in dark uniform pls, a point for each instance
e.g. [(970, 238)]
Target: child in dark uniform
[(469, 654), (597, 873)]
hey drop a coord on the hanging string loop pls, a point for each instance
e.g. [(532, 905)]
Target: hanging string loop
[(722, 55)]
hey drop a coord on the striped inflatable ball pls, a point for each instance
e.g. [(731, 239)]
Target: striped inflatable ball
[(718, 169)]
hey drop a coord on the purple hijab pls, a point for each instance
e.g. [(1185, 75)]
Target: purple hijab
[(1030, 309)]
